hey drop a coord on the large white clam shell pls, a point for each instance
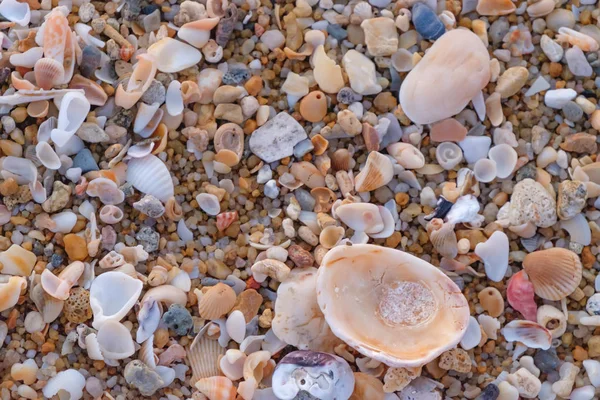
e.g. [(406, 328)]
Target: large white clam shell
[(150, 175), (74, 108), (400, 298), (173, 56), (115, 341), (112, 295)]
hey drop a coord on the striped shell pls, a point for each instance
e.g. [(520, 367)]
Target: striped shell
[(555, 273), (217, 388), (224, 220), (150, 175), (48, 72), (217, 301), (442, 237), (377, 172), (203, 356)]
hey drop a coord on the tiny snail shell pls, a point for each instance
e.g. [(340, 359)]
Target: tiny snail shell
[(110, 214), (448, 155)]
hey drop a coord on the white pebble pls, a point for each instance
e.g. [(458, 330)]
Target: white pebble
[(592, 367), (271, 190), (577, 62), (559, 97), (507, 392), (583, 393), (27, 392), (34, 322)]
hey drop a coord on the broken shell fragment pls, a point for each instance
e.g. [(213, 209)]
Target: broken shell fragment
[(531, 334), (399, 296), (59, 286), (555, 272), (10, 292), (197, 33), (139, 81), (442, 237), (271, 268), (377, 172), (17, 261), (361, 217), (112, 295), (321, 375), (173, 56)]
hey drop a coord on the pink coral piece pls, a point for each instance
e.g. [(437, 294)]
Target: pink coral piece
[(448, 130), (520, 295)]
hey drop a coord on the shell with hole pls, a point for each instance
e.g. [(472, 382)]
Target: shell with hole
[(139, 81), (377, 172), (298, 320), (151, 176), (230, 136), (216, 302), (112, 295), (173, 56), (401, 298), (555, 272), (197, 33)]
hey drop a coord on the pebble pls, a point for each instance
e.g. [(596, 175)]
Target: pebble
[(91, 58), (236, 76), (426, 22), (490, 392), (348, 96), (302, 148), (61, 194), (560, 18), (511, 81), (337, 31), (150, 206), (276, 139), (475, 147), (92, 133), (76, 247), (271, 190), (577, 62), (539, 85), (178, 319), (144, 379), (572, 111), (572, 196), (151, 22), (148, 238), (93, 386), (530, 202), (273, 39), (381, 36), (557, 98), (361, 73), (156, 93), (580, 143), (527, 384), (85, 160), (546, 360)]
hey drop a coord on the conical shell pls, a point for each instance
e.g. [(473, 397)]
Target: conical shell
[(442, 237), (146, 354), (217, 301), (555, 273), (217, 388), (150, 175), (377, 172), (48, 72), (203, 356)]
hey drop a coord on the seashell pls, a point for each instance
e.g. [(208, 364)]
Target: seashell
[(506, 159), (93, 92), (236, 326), (173, 56), (203, 357), (190, 92), (112, 260), (20, 83), (59, 286), (226, 25), (304, 371), (47, 156), (38, 109), (160, 135), (574, 38), (578, 229), (27, 59), (406, 155), (442, 237), (132, 255), (555, 273), (141, 77), (552, 319), (448, 155), (485, 170), (520, 295), (308, 174), (16, 11), (110, 214), (146, 354), (112, 295), (74, 108), (494, 254), (255, 368), (330, 236), (166, 294), (397, 299), (224, 220), (17, 261), (216, 388), (361, 217), (70, 380), (150, 175), (148, 319), (106, 190), (209, 203), (271, 268), (388, 224), (230, 136), (147, 119), (174, 99), (495, 7), (298, 320), (377, 172), (232, 364), (327, 73), (48, 73), (140, 150), (216, 302), (197, 33), (115, 340), (341, 160), (11, 291), (531, 334)]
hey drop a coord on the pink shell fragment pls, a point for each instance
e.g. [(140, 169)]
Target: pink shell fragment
[(520, 295)]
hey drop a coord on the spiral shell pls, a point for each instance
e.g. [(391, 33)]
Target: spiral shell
[(442, 237), (173, 210), (216, 302), (448, 155), (146, 354), (555, 272), (110, 214), (230, 137), (190, 92)]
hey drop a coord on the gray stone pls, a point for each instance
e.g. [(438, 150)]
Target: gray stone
[(531, 202), (539, 138), (276, 139), (572, 111), (303, 148), (148, 238), (546, 360), (337, 31), (61, 194), (150, 206), (572, 196), (178, 319), (92, 133), (152, 21), (144, 379), (85, 161), (306, 201), (91, 57), (156, 93)]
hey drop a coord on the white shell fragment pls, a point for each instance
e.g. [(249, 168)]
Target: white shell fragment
[(69, 380), (150, 175), (173, 56), (494, 254)]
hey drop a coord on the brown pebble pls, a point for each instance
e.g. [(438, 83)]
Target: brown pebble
[(580, 353), (580, 143), (300, 257), (76, 247), (9, 187), (491, 300), (254, 85), (385, 102), (248, 302)]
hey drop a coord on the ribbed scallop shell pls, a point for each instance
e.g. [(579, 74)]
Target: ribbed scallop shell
[(217, 301), (203, 356), (150, 175), (217, 388), (555, 273), (442, 237), (48, 72), (377, 172)]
